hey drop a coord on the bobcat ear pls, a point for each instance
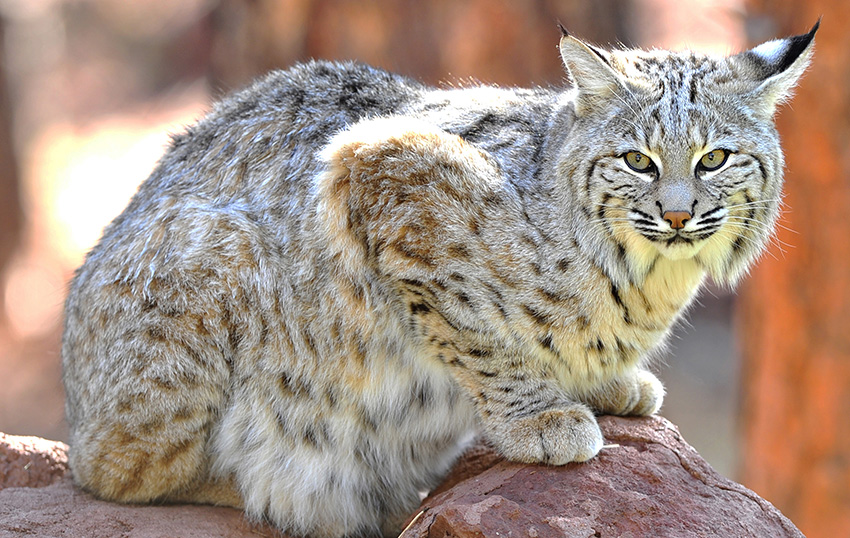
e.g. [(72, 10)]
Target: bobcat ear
[(777, 67), (591, 72)]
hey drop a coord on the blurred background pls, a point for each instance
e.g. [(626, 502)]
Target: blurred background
[(759, 382)]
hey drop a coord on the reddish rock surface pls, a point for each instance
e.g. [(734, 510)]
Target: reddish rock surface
[(31, 461), (37, 498), (63, 510), (651, 484)]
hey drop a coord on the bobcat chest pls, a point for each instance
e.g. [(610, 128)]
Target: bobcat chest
[(618, 325)]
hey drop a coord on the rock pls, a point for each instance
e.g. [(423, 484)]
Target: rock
[(38, 498), (651, 483), (31, 461), (62, 509)]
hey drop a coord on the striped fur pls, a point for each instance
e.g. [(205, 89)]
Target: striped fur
[(334, 279)]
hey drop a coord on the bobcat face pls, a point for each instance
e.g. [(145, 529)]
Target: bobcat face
[(668, 180), (677, 201)]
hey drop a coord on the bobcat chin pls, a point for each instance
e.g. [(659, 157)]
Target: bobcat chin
[(336, 278)]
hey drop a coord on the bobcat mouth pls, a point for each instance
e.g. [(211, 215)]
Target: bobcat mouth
[(678, 247), (676, 238), (679, 239)]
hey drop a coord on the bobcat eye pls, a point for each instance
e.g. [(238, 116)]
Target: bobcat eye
[(713, 160), (639, 162)]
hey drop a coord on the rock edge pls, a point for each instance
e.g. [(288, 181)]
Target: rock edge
[(648, 482)]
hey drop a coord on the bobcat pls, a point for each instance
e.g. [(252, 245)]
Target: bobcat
[(331, 282)]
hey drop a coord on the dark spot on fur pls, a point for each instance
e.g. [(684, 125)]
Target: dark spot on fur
[(366, 419), (738, 245), (423, 395), (419, 308), (310, 342), (615, 294), (539, 317), (331, 398), (550, 296), (455, 361), (418, 256), (156, 333), (547, 343), (457, 277), (439, 285), (459, 251), (163, 383)]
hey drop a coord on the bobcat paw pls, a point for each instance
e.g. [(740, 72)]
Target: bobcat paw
[(639, 394), (650, 394), (555, 436)]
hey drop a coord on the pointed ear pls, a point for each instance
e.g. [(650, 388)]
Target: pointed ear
[(591, 72), (777, 67)]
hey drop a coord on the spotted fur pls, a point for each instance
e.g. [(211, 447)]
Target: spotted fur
[(334, 279)]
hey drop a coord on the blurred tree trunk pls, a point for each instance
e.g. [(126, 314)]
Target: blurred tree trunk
[(510, 42), (794, 317), (11, 215)]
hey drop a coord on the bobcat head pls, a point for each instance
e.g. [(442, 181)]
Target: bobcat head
[(675, 154)]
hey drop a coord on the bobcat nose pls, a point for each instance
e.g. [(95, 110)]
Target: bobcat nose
[(677, 219)]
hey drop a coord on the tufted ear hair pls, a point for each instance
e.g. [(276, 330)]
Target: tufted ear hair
[(591, 72), (776, 67)]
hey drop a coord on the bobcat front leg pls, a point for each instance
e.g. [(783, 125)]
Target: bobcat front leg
[(404, 198), (526, 415)]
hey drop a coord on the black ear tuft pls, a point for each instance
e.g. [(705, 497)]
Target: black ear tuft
[(564, 32), (777, 56), (796, 46), (775, 67)]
